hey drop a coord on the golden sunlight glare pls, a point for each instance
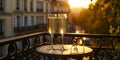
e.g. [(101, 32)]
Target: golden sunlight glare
[(80, 3)]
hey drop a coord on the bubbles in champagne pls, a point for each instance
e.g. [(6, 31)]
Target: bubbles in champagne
[(62, 22), (51, 23)]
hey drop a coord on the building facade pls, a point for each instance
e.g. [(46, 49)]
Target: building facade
[(21, 16), (25, 16)]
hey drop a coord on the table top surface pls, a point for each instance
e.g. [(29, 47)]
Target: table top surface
[(69, 50)]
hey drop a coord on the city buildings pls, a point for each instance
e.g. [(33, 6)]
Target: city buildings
[(22, 16), (25, 16)]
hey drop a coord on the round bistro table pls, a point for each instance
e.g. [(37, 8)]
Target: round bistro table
[(65, 51)]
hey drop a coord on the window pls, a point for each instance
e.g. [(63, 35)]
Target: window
[(1, 51), (46, 7), (40, 19), (25, 21), (17, 22), (1, 5), (40, 6), (1, 28), (32, 20), (25, 5), (17, 4), (17, 26), (31, 5)]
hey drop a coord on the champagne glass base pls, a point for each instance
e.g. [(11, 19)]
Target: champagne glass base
[(51, 48)]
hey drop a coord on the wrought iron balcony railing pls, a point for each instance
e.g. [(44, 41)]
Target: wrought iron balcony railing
[(24, 47), (29, 29)]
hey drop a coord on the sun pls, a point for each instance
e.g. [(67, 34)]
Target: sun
[(80, 3), (74, 3)]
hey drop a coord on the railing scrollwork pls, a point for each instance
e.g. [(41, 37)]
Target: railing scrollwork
[(24, 47)]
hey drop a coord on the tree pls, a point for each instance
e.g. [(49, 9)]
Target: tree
[(100, 17)]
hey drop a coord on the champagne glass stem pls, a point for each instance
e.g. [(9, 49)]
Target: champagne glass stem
[(83, 46), (62, 38), (62, 49), (52, 41)]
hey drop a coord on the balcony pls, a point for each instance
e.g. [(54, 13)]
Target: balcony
[(29, 29), (24, 47), (40, 10)]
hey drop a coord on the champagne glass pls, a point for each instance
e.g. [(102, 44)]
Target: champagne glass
[(62, 27), (62, 24), (51, 29), (62, 30)]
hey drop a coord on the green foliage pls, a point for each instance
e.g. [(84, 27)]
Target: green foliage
[(99, 18)]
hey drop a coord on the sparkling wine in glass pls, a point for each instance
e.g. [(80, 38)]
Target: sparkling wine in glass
[(62, 30), (51, 27)]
